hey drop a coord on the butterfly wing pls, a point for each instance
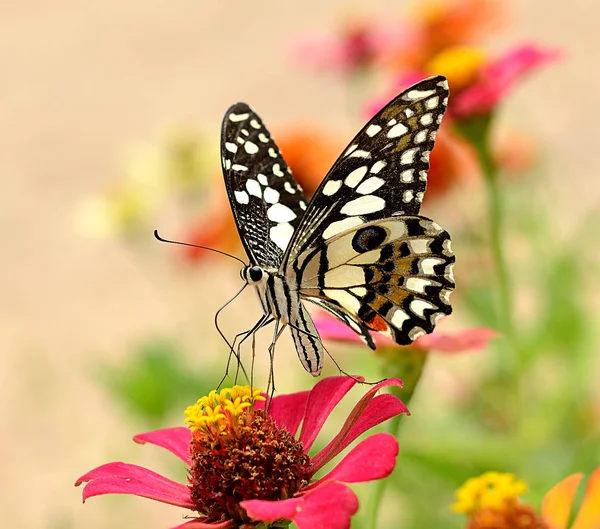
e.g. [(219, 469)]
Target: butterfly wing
[(382, 173), (361, 251), (266, 201), (393, 276)]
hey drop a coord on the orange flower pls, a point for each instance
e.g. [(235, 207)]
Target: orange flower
[(558, 503), (437, 25), (308, 151), (491, 501)]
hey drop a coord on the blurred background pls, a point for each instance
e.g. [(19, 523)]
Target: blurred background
[(110, 120)]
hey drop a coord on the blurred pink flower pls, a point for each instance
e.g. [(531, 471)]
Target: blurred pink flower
[(358, 44), (498, 77), (236, 473), (474, 339)]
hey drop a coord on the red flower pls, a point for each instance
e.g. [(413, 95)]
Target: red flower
[(469, 340), (269, 477)]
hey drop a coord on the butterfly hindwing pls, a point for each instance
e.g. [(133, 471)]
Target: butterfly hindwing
[(266, 201), (382, 173), (392, 276)]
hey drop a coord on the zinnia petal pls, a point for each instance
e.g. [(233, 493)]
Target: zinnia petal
[(474, 339), (198, 523), (323, 398), (373, 458), (123, 478), (287, 410), (329, 506), (557, 504), (368, 412), (175, 440), (589, 513)]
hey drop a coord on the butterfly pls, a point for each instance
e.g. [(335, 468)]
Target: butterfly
[(359, 248)]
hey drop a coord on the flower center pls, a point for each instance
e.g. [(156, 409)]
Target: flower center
[(491, 502), (239, 453)]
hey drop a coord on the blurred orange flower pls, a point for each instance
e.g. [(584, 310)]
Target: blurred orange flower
[(309, 153), (491, 501)]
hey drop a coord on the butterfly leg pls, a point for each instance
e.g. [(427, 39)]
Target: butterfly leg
[(236, 350), (276, 334)]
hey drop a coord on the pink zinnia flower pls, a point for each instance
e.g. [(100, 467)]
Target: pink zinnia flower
[(474, 339), (246, 466)]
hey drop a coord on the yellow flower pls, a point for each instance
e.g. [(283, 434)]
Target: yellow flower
[(492, 489)]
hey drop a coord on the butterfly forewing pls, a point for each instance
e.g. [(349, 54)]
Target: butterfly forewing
[(267, 202), (393, 276), (382, 173)]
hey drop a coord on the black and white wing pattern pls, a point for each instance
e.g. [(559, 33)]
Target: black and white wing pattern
[(361, 251), (266, 201)]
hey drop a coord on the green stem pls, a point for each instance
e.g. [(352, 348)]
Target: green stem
[(406, 364)]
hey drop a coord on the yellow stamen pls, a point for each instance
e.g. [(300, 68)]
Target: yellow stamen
[(492, 489), (460, 64), (218, 411)]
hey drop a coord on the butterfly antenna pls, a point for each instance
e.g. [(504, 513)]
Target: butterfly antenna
[(161, 239)]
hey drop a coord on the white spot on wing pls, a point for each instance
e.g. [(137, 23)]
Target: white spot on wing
[(242, 197), (253, 187), (263, 137), (280, 213), (271, 195), (408, 195), (397, 130), (353, 179), (427, 119), (250, 148), (238, 167), (262, 179), (289, 188), (420, 136), (363, 205), (428, 264), (377, 166), (419, 306), (238, 117), (416, 284), (281, 234), (332, 187), (415, 95), (350, 149), (255, 124), (231, 147), (407, 176), (408, 156), (277, 170), (272, 152), (359, 154), (341, 225), (372, 130), (370, 185), (432, 102), (302, 204), (399, 317)]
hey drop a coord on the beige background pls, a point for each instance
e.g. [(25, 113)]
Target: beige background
[(80, 81)]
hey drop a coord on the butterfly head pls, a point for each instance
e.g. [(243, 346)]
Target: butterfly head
[(253, 274)]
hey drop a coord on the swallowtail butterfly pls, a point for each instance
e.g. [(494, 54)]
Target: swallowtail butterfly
[(359, 248)]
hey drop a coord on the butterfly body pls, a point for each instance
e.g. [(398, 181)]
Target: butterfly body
[(359, 249)]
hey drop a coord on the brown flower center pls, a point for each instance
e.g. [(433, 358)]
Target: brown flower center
[(243, 456), (513, 515)]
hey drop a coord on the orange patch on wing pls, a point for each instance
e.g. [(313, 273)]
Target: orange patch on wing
[(377, 324)]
